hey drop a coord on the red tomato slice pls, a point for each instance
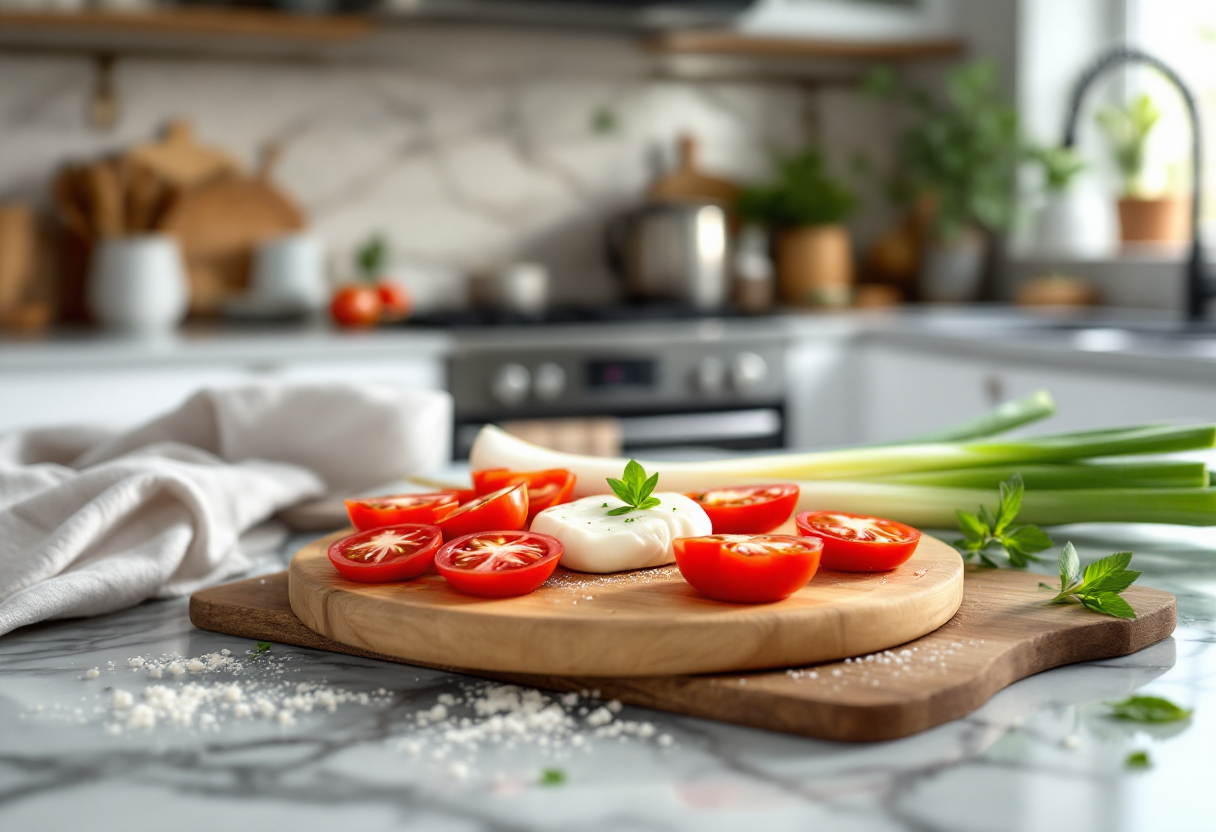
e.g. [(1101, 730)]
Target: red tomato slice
[(395, 509), (749, 569), (394, 553), (748, 509), (545, 488), (499, 564), (503, 510), (462, 495), (855, 543)]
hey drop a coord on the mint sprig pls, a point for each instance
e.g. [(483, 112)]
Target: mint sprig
[(982, 530), (1100, 587), (634, 489)]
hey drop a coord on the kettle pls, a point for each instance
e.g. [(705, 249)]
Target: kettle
[(672, 251)]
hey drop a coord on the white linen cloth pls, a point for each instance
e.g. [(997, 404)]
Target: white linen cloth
[(92, 521)]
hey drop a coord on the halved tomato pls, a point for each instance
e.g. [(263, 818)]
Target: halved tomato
[(395, 509), (856, 543), (462, 495), (499, 564), (748, 509), (394, 553), (749, 569), (505, 509), (545, 488)]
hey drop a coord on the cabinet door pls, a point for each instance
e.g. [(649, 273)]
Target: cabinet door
[(822, 395)]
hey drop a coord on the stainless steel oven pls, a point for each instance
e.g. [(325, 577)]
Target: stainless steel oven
[(709, 383)]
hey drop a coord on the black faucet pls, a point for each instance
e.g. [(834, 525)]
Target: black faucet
[(1199, 288)]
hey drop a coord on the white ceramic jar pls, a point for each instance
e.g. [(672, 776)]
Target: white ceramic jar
[(138, 284)]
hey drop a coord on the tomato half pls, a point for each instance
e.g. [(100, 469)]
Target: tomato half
[(749, 569), (545, 488), (856, 543), (499, 564), (395, 509), (503, 510), (748, 509), (462, 495), (394, 553)]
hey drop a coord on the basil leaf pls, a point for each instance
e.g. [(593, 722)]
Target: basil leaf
[(649, 502), (970, 526), (648, 487), (1011, 503), (1107, 602), (1111, 582), (1111, 563), (616, 512), (622, 491), (1070, 566), (1149, 709)]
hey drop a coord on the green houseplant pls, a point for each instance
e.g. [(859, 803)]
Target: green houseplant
[(960, 158), (1142, 217), (805, 206)]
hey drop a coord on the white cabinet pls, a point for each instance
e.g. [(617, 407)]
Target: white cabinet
[(821, 401), (906, 392), (122, 396)]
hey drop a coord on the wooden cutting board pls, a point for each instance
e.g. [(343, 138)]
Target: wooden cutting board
[(649, 622), (1002, 632)]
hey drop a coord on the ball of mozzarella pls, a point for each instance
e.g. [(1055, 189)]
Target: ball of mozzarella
[(595, 541)]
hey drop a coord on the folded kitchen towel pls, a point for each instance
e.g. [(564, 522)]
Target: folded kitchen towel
[(92, 521)]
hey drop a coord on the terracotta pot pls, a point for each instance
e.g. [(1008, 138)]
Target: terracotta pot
[(1160, 220), (815, 265)]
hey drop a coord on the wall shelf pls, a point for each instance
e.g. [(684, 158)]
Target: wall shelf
[(189, 21), (733, 44)]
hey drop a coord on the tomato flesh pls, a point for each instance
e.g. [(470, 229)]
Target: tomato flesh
[(392, 553), (395, 509), (856, 543), (749, 569), (545, 488), (748, 509), (503, 510), (498, 564)]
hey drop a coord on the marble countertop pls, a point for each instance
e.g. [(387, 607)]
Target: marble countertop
[(1041, 755)]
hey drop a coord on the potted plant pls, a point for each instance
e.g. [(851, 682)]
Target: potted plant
[(1071, 222), (806, 207), (1142, 218), (960, 159)]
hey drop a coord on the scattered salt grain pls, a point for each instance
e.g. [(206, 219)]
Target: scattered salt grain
[(176, 669), (122, 700), (92, 673), (136, 662), (142, 716), (196, 666), (665, 740), (600, 716), (1071, 742)]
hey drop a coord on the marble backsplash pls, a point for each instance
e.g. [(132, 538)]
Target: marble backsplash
[(466, 152)]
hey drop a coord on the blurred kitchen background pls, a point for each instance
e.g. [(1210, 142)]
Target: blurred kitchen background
[(611, 222)]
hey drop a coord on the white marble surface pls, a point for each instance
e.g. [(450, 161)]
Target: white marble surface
[(1039, 756)]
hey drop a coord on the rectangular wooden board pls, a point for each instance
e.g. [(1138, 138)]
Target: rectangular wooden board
[(1004, 631)]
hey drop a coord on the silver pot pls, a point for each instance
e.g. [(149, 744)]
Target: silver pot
[(672, 252)]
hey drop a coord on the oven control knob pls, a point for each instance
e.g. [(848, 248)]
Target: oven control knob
[(549, 382), (748, 372), (510, 384), (711, 376)]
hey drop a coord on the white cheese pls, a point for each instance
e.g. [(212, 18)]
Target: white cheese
[(595, 541)]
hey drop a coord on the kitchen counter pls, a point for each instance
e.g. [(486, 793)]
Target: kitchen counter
[(1040, 756)]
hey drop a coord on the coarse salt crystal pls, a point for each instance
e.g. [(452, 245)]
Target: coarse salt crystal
[(141, 716), (122, 700), (1071, 742), (233, 694), (176, 669), (600, 716), (154, 673), (195, 666), (135, 662), (242, 711), (285, 718), (92, 673), (665, 740)]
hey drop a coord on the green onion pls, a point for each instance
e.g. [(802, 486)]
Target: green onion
[(1038, 405), (1115, 473)]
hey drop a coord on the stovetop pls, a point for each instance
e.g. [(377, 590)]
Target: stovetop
[(482, 317)]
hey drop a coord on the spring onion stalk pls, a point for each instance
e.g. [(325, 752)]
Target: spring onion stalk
[(1166, 473), (494, 448), (930, 507), (1038, 405)]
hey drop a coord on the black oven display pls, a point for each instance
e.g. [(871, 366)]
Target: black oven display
[(634, 373)]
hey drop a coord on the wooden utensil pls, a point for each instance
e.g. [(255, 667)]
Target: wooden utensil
[(18, 241), (1002, 632), (220, 224), (104, 189), (178, 161), (687, 183), (639, 624)]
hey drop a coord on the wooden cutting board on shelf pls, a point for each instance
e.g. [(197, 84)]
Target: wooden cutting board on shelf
[(648, 622), (1002, 632)]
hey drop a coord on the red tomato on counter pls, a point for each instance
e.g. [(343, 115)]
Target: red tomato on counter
[(749, 569), (503, 510), (545, 488), (748, 509), (356, 305), (395, 509), (856, 543), (499, 564), (393, 553), (395, 303)]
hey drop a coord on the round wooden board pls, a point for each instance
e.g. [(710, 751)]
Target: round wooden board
[(644, 623)]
